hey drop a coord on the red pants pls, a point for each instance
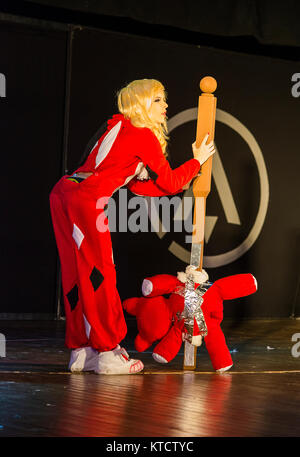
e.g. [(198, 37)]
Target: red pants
[(94, 314)]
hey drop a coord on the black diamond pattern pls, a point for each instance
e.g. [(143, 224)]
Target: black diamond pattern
[(96, 278), (73, 297)]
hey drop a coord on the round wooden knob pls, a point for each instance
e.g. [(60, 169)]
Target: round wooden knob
[(208, 84)]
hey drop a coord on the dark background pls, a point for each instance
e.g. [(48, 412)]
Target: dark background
[(64, 62)]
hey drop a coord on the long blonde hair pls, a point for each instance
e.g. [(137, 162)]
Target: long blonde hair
[(134, 101)]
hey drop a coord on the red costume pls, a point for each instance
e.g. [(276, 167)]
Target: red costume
[(94, 314), (158, 318)]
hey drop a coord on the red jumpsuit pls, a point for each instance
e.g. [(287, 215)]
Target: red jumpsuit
[(94, 314)]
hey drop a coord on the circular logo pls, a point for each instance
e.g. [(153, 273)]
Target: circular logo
[(230, 256)]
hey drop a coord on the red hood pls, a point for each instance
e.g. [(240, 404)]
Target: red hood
[(115, 119)]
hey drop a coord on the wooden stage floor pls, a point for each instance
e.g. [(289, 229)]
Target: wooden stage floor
[(258, 397)]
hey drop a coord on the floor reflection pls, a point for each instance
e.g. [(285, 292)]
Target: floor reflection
[(144, 405)]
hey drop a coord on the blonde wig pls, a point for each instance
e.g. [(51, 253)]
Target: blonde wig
[(134, 102)]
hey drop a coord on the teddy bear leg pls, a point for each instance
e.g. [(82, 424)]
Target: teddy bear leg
[(141, 344), (217, 348), (169, 346)]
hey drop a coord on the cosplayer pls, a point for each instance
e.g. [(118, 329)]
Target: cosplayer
[(132, 147)]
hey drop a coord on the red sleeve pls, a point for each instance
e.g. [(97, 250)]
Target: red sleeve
[(147, 188), (171, 181)]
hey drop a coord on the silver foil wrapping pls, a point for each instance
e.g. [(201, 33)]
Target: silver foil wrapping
[(192, 306)]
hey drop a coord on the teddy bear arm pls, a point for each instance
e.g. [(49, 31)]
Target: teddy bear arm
[(159, 285), (236, 286)]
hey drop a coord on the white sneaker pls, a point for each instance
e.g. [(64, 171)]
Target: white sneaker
[(83, 359), (117, 362)]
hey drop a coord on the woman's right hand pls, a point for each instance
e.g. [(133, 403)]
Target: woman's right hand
[(204, 151)]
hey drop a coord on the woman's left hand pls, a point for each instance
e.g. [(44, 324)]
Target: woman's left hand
[(143, 174)]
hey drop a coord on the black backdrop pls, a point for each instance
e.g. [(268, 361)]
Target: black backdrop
[(31, 138), (269, 21), (255, 91)]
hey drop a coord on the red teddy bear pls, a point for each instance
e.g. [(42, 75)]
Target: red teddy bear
[(159, 318)]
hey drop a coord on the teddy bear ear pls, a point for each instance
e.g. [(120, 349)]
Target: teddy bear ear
[(130, 305)]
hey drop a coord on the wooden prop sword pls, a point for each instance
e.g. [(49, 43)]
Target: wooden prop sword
[(201, 188)]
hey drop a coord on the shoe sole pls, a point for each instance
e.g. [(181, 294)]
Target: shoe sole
[(80, 365), (134, 368)]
